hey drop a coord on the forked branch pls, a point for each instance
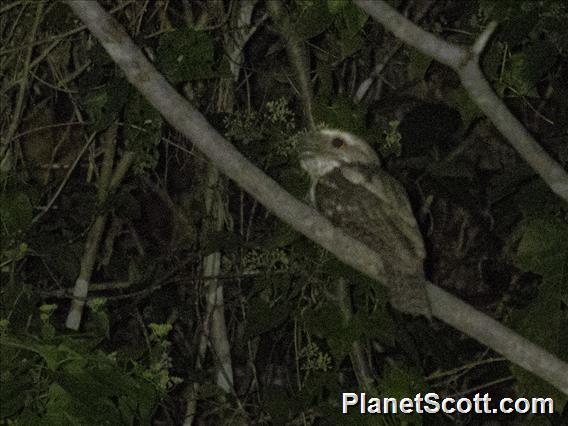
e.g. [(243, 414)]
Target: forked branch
[(465, 62)]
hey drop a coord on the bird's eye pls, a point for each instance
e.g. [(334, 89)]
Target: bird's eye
[(337, 142)]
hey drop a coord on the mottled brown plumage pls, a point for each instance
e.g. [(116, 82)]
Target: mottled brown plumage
[(355, 194)]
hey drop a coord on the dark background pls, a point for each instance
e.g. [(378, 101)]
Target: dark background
[(496, 236)]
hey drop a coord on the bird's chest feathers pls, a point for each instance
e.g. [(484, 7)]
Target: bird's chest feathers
[(341, 184), (318, 166)]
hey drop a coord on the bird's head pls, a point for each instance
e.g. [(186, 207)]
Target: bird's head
[(327, 149)]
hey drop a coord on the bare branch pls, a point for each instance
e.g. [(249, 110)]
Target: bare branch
[(465, 62), (23, 86), (479, 45), (108, 183), (193, 125)]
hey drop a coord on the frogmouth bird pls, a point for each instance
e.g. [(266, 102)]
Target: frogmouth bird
[(349, 187)]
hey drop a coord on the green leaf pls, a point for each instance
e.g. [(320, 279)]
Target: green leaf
[(262, 317), (59, 18), (378, 325), (516, 75), (354, 18), (461, 101), (418, 64), (60, 401), (186, 55), (540, 56), (348, 45), (277, 403), (11, 392), (111, 377), (312, 19), (492, 61), (400, 382), (340, 113), (516, 29), (98, 324), (336, 6), (16, 213), (348, 28), (51, 355), (103, 105), (328, 322), (142, 133), (543, 249), (514, 183), (544, 324), (82, 385)]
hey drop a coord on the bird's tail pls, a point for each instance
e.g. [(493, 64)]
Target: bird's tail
[(408, 294)]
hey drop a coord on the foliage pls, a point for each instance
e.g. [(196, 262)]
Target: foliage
[(495, 234), (543, 249), (52, 378)]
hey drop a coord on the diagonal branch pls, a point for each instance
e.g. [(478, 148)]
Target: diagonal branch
[(180, 114), (465, 62)]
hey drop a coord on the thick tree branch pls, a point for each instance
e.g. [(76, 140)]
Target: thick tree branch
[(465, 62), (193, 125)]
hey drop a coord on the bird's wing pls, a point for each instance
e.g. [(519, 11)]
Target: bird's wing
[(375, 210)]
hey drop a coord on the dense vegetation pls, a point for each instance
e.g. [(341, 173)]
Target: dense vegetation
[(96, 185)]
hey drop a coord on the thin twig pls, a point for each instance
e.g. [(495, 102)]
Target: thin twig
[(23, 86), (106, 187), (49, 205)]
